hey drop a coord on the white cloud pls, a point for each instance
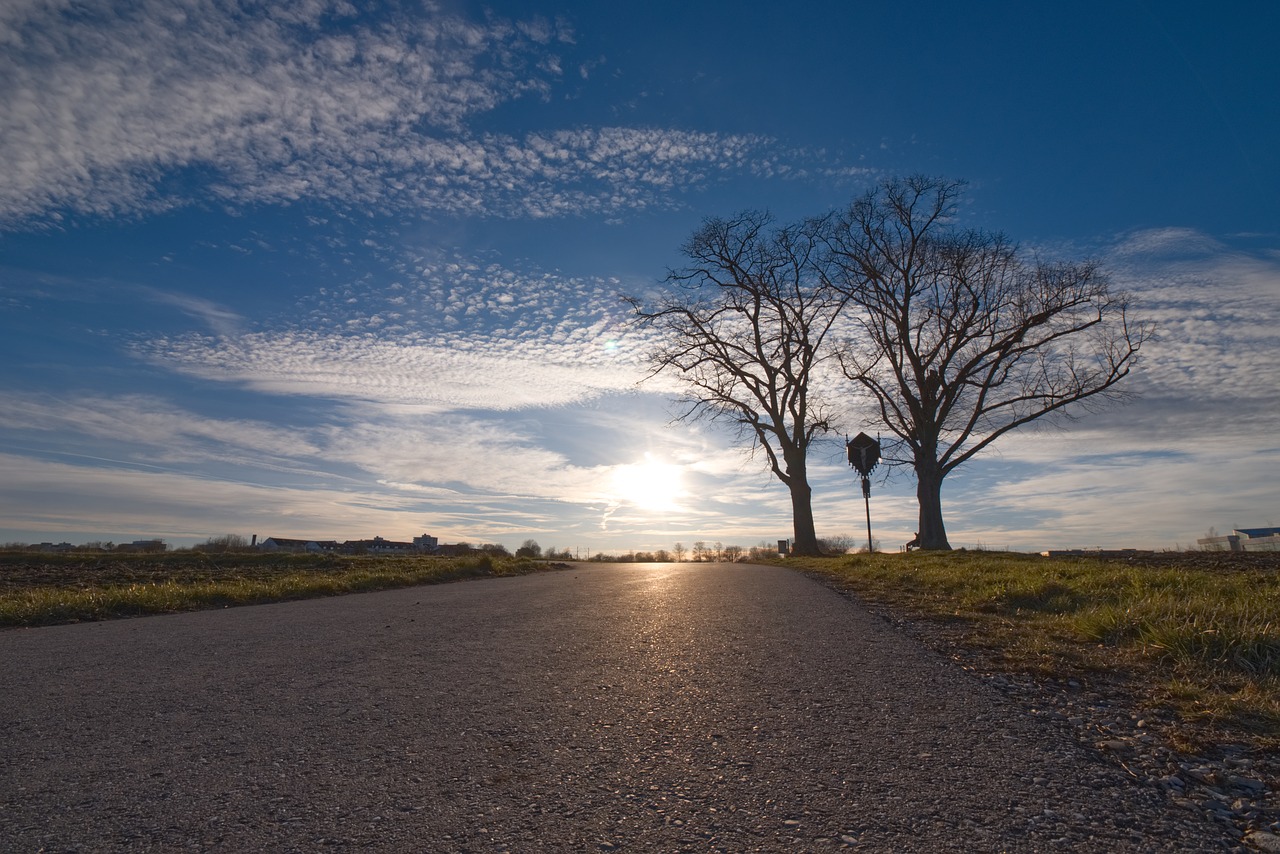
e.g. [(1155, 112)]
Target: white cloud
[(148, 106), (145, 430), (98, 105), (1141, 501), (469, 473), (444, 375), (448, 334), (143, 466), (1162, 243), (59, 497), (1217, 314)]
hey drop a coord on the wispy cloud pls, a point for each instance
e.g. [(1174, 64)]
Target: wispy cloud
[(157, 432), (1140, 499), (60, 497), (447, 334), (469, 471), (440, 375), (1217, 313), (138, 107), (100, 105), (424, 293), (220, 319)]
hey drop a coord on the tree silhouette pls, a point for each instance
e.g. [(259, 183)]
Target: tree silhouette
[(959, 338), (745, 336)]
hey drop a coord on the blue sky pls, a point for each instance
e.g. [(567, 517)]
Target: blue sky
[(290, 269)]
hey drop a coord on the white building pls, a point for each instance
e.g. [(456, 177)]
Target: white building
[(1244, 540), (283, 544)]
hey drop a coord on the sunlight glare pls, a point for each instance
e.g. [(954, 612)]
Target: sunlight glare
[(649, 485)]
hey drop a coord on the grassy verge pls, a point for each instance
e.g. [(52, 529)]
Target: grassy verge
[(46, 590), (1195, 634)]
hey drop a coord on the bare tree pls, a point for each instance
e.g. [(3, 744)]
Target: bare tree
[(961, 338), (745, 337), (677, 552)]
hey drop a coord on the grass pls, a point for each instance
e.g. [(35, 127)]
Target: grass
[(1197, 635), (39, 590)]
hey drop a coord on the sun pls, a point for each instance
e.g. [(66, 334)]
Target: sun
[(650, 484)]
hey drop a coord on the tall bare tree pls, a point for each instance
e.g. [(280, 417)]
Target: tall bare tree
[(744, 332), (962, 338)]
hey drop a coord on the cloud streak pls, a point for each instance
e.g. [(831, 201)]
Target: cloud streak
[(441, 376), (144, 430), (447, 334), (1213, 368), (59, 498)]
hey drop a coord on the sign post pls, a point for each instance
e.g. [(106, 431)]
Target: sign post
[(864, 453)]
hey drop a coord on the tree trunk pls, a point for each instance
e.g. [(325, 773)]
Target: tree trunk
[(932, 533), (805, 539)]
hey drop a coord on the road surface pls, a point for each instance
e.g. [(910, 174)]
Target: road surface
[(672, 707)]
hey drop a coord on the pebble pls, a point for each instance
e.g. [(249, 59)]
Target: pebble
[(1263, 841)]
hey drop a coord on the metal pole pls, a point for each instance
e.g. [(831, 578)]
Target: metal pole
[(866, 498)]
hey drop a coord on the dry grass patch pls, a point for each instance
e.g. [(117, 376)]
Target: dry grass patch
[(1196, 632), (37, 590)]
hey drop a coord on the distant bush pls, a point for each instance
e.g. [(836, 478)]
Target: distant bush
[(224, 543)]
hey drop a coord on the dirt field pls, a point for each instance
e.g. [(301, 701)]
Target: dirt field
[(20, 571), (1269, 561)]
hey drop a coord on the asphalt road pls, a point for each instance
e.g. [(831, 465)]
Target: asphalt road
[(636, 708)]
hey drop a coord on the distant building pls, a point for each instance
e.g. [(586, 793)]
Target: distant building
[(378, 546), (1244, 540), (51, 547), (283, 544)]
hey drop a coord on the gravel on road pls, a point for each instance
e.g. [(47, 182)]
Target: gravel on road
[(673, 707)]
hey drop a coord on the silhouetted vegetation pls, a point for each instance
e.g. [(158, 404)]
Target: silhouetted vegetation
[(745, 334), (949, 337)]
